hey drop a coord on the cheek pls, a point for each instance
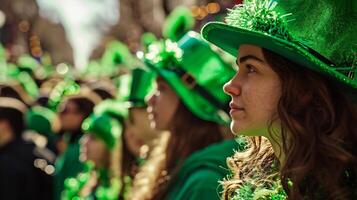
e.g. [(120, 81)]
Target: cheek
[(262, 101)]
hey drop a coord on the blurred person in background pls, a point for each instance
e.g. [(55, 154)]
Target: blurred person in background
[(72, 111), (25, 173), (191, 105), (100, 151)]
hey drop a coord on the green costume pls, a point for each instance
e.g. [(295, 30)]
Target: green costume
[(109, 131), (200, 173)]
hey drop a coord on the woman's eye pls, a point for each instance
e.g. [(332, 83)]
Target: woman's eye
[(250, 69)]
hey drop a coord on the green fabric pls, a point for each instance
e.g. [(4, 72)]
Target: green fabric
[(317, 35), (147, 38), (116, 53), (103, 127), (199, 175), (191, 64), (178, 23), (67, 165), (107, 189), (141, 85), (40, 119)]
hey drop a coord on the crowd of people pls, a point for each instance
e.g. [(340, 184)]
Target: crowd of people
[(261, 106)]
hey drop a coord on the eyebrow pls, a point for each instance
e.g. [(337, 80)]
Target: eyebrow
[(247, 57)]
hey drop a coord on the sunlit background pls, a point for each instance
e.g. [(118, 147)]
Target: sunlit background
[(76, 31)]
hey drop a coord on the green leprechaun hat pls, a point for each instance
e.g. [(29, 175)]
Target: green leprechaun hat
[(141, 85), (319, 35), (195, 72), (103, 127)]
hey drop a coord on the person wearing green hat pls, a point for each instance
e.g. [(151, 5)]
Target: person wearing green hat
[(138, 138), (43, 124), (101, 152), (73, 109), (192, 106), (295, 94)]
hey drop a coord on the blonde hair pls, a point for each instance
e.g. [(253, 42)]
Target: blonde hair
[(152, 170)]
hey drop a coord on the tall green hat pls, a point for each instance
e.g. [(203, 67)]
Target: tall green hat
[(318, 35), (178, 23), (40, 119), (104, 127), (141, 85), (196, 73)]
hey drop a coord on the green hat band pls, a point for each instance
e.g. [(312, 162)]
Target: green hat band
[(190, 82), (104, 127)]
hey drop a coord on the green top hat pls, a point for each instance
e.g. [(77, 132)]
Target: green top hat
[(104, 127), (196, 73), (141, 86), (319, 35)]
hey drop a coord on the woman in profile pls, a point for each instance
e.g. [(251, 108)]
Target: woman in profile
[(295, 96)]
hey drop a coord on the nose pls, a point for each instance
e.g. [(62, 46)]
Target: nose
[(152, 99), (233, 87)]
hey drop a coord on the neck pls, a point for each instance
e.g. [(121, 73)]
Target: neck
[(276, 142), (273, 135)]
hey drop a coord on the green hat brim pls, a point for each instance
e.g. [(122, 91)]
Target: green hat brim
[(230, 38), (195, 102)]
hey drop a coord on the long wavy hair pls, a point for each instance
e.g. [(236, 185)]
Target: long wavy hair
[(188, 134), (319, 138)]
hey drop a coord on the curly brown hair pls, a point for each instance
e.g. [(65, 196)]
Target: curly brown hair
[(318, 134)]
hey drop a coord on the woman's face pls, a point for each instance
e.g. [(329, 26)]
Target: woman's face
[(255, 91), (162, 105), (93, 149), (70, 116), (138, 124)]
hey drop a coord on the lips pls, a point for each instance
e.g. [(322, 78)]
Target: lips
[(234, 106)]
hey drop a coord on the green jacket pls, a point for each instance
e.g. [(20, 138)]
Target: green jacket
[(200, 174)]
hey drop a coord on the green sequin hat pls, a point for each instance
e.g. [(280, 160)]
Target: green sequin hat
[(195, 72), (103, 127), (319, 35)]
